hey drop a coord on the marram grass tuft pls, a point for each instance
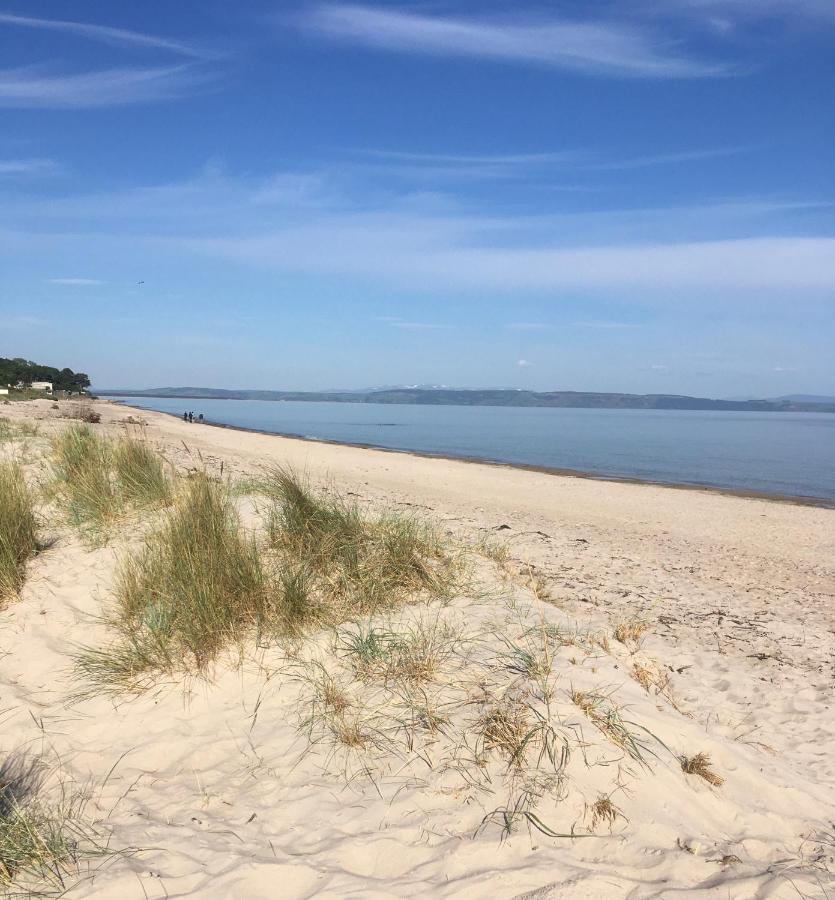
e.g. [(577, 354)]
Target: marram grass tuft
[(18, 529)]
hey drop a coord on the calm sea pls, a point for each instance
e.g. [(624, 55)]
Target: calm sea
[(777, 453)]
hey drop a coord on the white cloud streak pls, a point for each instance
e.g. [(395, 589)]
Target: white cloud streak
[(28, 167), (35, 88), (607, 325), (601, 48), (41, 87), (75, 282), (713, 255), (395, 322), (522, 165), (663, 159), (813, 10), (422, 166), (412, 255), (507, 159), (118, 37)]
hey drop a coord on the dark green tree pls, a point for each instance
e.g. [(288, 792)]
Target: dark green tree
[(18, 370)]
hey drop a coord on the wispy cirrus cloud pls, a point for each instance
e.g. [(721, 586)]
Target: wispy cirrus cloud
[(814, 10), (75, 282), (32, 87), (465, 166), (664, 159), (46, 87), (600, 48), (528, 326), (607, 324), (507, 159), (28, 167), (406, 325), (746, 252), (415, 255), (117, 37)]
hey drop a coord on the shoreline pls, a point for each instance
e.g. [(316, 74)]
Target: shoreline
[(789, 499)]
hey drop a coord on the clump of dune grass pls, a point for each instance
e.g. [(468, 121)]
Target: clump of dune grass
[(82, 410), (10, 431), (607, 716), (332, 715), (604, 812), (521, 807), (28, 429), (531, 656), (82, 464), (349, 731), (421, 650), (354, 564), (538, 585), (700, 765), (417, 712), (197, 587), (18, 529), (328, 692), (99, 478), (139, 473), (504, 726), (653, 678), (43, 837), (493, 549), (649, 678), (201, 585), (297, 604), (412, 655), (368, 649), (631, 631)]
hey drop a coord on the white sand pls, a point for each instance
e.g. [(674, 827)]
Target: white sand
[(220, 795)]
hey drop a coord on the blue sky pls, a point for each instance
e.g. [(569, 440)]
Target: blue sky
[(634, 195)]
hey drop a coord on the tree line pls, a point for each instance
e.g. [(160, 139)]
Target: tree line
[(15, 371)]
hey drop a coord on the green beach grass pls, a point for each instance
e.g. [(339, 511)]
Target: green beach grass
[(202, 584), (18, 529), (99, 478)]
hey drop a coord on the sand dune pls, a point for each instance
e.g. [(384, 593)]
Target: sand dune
[(673, 623)]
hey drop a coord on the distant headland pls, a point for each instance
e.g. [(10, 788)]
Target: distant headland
[(492, 397)]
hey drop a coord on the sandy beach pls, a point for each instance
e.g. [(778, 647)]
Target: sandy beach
[(701, 623)]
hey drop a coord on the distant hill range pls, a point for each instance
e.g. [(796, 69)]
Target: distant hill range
[(808, 398), (494, 397)]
